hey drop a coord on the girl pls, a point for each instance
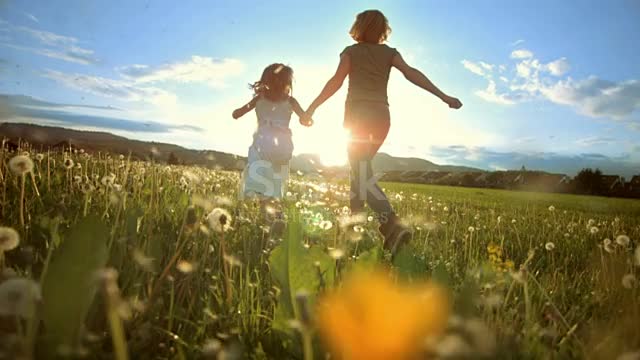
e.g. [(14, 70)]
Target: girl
[(368, 63), (267, 170)]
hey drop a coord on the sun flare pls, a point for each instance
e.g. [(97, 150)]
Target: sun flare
[(331, 146)]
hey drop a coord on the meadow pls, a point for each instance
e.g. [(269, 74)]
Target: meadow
[(104, 257)]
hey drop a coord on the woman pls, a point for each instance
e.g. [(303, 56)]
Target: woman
[(368, 63)]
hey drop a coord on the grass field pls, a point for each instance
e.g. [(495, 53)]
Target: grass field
[(121, 259)]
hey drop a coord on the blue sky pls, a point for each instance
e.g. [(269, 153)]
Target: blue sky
[(546, 84)]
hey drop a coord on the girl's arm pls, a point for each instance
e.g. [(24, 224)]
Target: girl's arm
[(334, 84), (239, 112), (295, 105), (419, 79)]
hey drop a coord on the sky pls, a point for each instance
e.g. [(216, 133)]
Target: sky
[(549, 85)]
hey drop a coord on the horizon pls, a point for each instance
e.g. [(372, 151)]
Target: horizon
[(557, 96), (626, 177)]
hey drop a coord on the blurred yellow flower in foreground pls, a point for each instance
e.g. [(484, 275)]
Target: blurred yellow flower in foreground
[(371, 317)]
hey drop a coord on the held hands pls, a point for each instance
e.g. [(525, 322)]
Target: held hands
[(306, 120), (453, 103)]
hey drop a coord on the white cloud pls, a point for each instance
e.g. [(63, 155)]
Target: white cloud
[(592, 96), (521, 54), (31, 17), (595, 140), (490, 94), (486, 66), (517, 42), (55, 46), (484, 157), (73, 54), (473, 67), (117, 89), (197, 69), (558, 67), (596, 97), (528, 68)]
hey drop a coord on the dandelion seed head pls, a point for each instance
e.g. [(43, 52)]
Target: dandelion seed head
[(336, 253), (219, 220), (629, 281), (185, 267), (211, 348), (39, 157), (471, 229), (550, 246), (594, 230), (9, 239), (623, 240), (68, 163), (232, 260), (21, 165), (552, 208), (325, 225), (453, 346), (141, 259), (108, 180), (19, 297)]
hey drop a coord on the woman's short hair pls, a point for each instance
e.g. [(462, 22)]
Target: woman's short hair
[(371, 26)]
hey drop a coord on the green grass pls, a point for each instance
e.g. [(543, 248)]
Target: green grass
[(183, 289)]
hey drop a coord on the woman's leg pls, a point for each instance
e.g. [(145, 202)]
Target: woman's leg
[(366, 139), (375, 197)]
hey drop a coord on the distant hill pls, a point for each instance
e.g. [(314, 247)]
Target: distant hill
[(93, 141), (384, 162), (50, 136)]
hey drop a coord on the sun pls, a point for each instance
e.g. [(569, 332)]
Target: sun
[(332, 147)]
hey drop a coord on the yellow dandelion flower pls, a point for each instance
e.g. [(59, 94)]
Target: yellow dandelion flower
[(372, 318), (509, 265)]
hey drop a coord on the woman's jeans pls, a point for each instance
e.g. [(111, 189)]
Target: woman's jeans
[(368, 123)]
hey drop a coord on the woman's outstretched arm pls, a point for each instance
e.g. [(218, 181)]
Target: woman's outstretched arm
[(416, 77), (334, 84)]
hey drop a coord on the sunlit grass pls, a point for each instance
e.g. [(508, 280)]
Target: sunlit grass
[(109, 257)]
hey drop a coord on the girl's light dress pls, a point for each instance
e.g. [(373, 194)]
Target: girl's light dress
[(262, 177)]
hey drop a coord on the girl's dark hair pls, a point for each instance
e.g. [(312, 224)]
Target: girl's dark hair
[(275, 84)]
